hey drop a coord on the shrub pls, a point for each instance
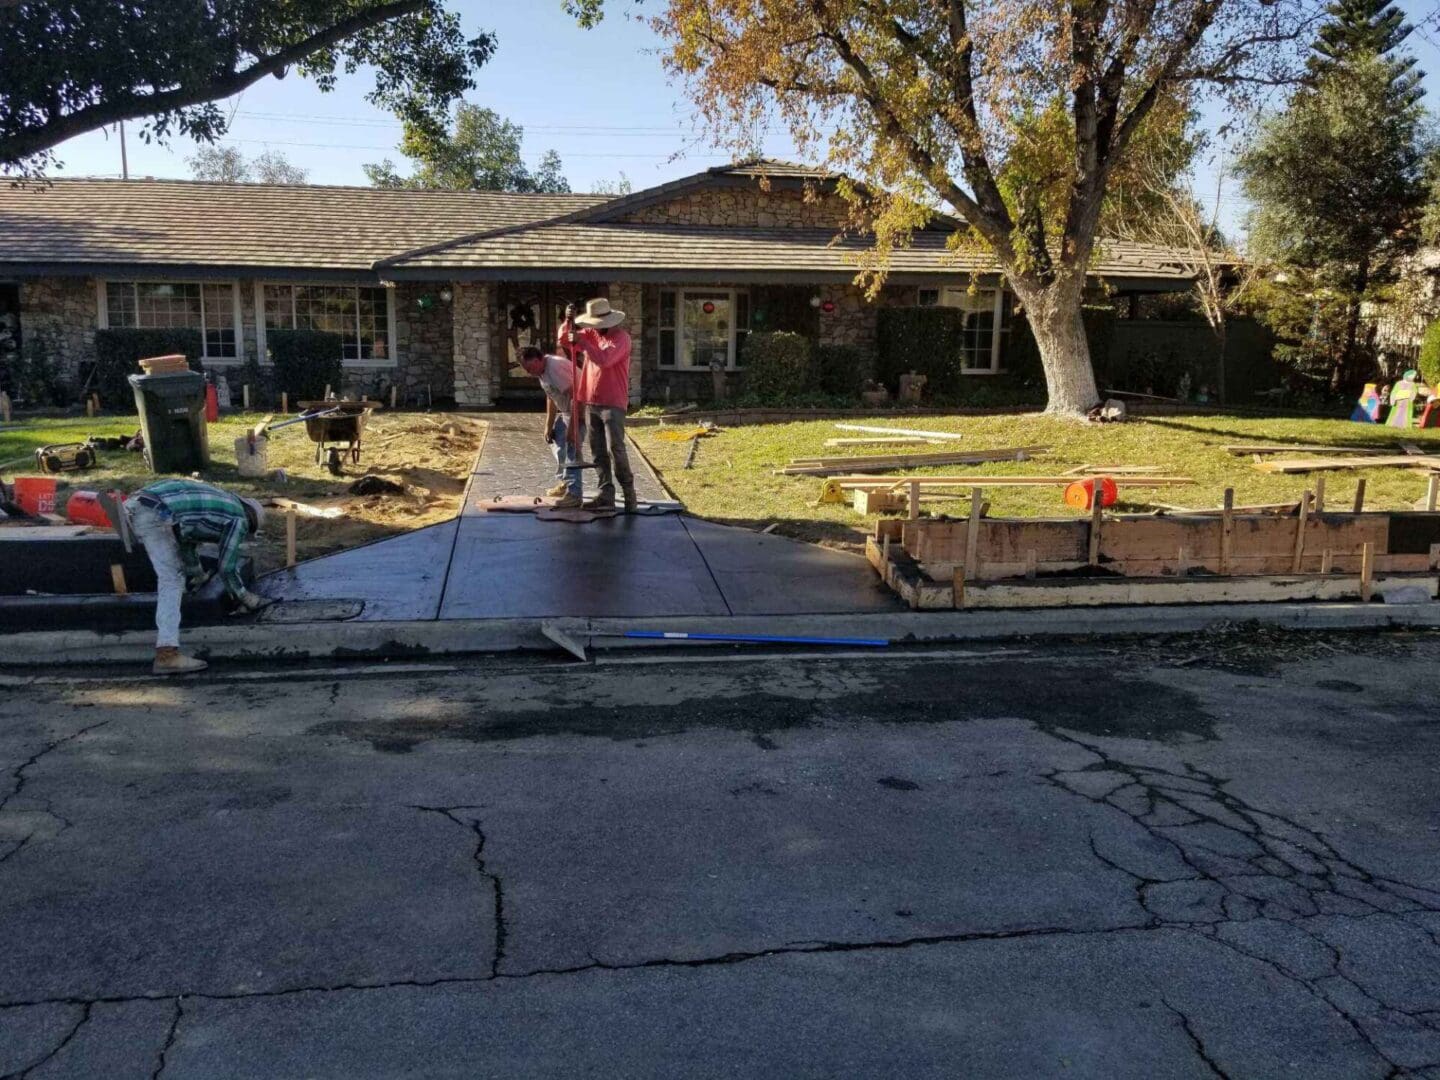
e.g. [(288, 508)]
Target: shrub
[(925, 340), (118, 353), (305, 362), (1430, 354), (843, 370), (778, 365), (34, 378)]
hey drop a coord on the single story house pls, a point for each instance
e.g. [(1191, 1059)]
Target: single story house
[(435, 291)]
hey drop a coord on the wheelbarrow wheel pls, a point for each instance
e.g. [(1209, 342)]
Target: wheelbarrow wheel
[(333, 460)]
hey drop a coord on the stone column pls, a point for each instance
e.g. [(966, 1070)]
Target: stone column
[(627, 296), (472, 304), (852, 322)]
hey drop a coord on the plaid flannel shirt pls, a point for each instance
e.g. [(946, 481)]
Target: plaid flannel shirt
[(202, 513)]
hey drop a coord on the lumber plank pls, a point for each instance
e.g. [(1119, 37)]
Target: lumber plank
[(871, 429), (1241, 449), (1095, 592), (1303, 465), (884, 440), (1227, 530)]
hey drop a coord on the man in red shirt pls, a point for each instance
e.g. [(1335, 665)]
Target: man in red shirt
[(602, 349)]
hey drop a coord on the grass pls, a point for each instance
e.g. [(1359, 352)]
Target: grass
[(732, 480), (289, 450)]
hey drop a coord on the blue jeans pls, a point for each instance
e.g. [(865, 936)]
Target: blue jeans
[(565, 454)]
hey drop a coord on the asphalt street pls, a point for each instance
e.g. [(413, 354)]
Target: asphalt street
[(1196, 857)]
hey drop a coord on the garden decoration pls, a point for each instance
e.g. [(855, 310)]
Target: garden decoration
[(1402, 401), (1367, 408)]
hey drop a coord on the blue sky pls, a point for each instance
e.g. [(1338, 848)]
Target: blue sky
[(599, 97)]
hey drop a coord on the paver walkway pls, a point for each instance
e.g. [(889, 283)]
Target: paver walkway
[(489, 565)]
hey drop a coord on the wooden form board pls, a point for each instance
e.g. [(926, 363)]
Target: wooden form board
[(834, 466), (1246, 449), (1358, 461), (1145, 546), (1098, 592)]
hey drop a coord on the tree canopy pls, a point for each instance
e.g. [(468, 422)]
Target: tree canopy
[(1019, 116), (72, 66), (228, 165), (481, 152)]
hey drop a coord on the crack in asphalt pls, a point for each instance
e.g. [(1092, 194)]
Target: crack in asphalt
[(1246, 865), (20, 1074), (497, 887), (20, 776), (1195, 1041), (169, 1038)]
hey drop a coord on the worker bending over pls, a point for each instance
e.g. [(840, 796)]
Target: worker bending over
[(170, 518), (555, 379)]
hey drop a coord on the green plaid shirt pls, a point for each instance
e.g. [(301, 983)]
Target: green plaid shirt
[(199, 513)]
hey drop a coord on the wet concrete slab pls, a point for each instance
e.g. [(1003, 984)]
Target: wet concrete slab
[(513, 565), (402, 578)]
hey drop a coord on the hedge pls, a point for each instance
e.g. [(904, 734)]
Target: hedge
[(920, 339), (1429, 359), (118, 353), (305, 362), (778, 365), (842, 370)]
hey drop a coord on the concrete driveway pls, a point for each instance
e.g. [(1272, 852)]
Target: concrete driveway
[(1195, 858)]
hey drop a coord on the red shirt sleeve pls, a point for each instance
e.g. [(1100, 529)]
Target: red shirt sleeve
[(604, 352)]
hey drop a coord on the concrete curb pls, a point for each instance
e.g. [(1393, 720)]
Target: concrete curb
[(414, 640)]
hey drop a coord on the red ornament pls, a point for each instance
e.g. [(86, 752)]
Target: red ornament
[(708, 307), (828, 307)]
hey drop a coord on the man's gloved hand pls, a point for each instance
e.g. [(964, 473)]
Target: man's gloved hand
[(198, 579), (249, 603)]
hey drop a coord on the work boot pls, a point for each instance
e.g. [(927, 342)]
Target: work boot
[(568, 502), (630, 501), (171, 661), (600, 502), (557, 490)]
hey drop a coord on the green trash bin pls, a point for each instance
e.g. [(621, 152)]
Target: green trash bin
[(172, 419)]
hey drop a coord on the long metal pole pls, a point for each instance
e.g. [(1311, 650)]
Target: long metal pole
[(124, 159)]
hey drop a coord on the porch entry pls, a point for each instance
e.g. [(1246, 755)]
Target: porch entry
[(531, 315)]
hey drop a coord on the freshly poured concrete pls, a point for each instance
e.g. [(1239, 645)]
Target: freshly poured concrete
[(506, 565)]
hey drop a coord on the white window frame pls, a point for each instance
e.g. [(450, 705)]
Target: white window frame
[(949, 297), (102, 321), (681, 332), (392, 359)]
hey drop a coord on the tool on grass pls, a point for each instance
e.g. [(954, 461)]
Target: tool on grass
[(64, 457)]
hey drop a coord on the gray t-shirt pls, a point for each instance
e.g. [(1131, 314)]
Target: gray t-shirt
[(557, 381)]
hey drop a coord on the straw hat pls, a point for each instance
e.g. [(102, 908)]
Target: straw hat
[(600, 315)]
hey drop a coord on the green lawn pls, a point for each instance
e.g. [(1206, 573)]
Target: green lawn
[(731, 479)]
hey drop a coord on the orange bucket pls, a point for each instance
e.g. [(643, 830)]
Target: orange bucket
[(35, 494), (83, 508), (1081, 494)]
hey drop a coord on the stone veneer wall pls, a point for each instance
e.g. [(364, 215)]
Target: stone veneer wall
[(629, 297), (60, 313), (425, 341), (472, 307), (854, 320), (747, 206)]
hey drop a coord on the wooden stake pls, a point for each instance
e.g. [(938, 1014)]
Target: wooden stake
[(117, 579), (1227, 530), (972, 534), (327, 391), (1320, 494), (1031, 564), (284, 402), (1367, 571), (1097, 508), (1432, 491), (1300, 532), (245, 396), (290, 537), (1326, 561), (1360, 495), (393, 390), (90, 406), (4, 406), (1182, 562), (913, 502), (1435, 556), (96, 398)]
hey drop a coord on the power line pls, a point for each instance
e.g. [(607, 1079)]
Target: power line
[(392, 149)]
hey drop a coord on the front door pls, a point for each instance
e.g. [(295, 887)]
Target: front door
[(532, 314)]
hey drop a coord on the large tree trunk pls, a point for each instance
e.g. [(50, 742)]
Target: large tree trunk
[(1347, 375), (1053, 313)]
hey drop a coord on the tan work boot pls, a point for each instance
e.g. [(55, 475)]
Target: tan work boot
[(568, 502), (600, 502), (171, 661), (559, 489)]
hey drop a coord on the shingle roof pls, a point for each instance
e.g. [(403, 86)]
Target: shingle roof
[(588, 247), (191, 223)]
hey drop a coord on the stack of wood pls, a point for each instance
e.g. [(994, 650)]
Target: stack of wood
[(171, 364), (1323, 458)]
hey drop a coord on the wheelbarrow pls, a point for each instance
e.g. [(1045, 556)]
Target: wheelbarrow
[(337, 422)]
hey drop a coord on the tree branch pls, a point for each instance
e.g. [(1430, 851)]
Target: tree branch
[(133, 106)]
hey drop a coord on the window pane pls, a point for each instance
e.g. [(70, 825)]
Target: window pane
[(374, 323), (929, 297), (977, 327), (708, 323), (279, 315), (163, 305), (120, 304), (667, 309), (219, 321), (667, 348)]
